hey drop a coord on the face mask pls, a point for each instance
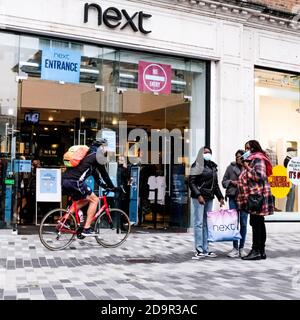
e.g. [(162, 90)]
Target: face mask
[(246, 155), (101, 156), (207, 156)]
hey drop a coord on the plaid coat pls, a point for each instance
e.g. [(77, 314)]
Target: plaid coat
[(255, 181)]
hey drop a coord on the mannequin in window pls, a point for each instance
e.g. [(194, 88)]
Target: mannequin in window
[(290, 198), (157, 192), (271, 153), (157, 181)]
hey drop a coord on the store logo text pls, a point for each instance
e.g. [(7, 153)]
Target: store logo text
[(112, 17)]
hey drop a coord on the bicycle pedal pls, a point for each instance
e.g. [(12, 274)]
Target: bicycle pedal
[(80, 236)]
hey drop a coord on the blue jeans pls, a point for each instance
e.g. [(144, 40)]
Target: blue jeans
[(200, 224), (243, 224)]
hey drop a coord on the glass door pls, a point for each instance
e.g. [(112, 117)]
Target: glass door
[(8, 130), (53, 117)]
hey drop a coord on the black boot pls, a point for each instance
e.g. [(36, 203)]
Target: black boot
[(253, 255), (263, 254)]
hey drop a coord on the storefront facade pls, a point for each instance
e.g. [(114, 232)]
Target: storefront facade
[(214, 50)]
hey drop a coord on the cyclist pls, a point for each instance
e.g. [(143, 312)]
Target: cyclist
[(73, 181)]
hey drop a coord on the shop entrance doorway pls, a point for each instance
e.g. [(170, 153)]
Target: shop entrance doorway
[(52, 117), (163, 189)]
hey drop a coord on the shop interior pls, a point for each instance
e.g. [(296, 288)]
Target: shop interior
[(41, 118), (55, 116), (278, 118)]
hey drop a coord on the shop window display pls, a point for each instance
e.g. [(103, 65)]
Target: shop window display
[(51, 115), (278, 117)]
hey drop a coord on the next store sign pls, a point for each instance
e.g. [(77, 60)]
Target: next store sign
[(61, 65)]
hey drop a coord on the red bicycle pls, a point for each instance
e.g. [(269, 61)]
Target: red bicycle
[(59, 227)]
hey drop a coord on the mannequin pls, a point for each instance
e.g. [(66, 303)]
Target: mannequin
[(271, 153), (290, 198)]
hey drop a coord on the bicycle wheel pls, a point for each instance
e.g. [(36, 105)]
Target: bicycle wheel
[(113, 234), (56, 233)]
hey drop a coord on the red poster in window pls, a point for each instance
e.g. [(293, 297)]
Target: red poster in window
[(154, 77)]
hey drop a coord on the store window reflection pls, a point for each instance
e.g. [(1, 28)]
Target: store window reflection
[(278, 118), (8, 130)]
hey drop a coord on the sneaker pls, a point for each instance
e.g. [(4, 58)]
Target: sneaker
[(198, 256), (89, 232), (210, 255), (234, 253), (243, 253)]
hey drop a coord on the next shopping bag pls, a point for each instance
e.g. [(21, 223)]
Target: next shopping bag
[(223, 225)]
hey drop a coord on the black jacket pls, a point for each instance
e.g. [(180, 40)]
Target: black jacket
[(232, 173), (88, 166), (205, 183)]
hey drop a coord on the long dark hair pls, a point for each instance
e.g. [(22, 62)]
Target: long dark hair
[(255, 146)]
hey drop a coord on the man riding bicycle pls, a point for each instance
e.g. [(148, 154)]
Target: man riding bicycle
[(73, 181)]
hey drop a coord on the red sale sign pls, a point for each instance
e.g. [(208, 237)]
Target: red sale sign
[(154, 77)]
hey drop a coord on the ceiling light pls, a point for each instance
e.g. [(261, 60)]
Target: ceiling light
[(50, 118), (89, 71), (46, 129), (180, 83), (82, 119), (29, 64), (126, 76)]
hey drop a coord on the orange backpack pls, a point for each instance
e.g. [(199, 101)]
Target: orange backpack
[(74, 155)]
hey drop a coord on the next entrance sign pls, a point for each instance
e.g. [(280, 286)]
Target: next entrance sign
[(61, 65)]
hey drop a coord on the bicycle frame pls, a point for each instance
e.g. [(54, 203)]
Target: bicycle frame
[(74, 206)]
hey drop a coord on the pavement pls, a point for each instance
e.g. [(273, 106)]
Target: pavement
[(148, 266)]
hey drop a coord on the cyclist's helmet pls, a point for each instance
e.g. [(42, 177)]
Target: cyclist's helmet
[(100, 142)]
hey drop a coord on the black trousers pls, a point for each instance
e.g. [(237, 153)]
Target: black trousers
[(259, 234)]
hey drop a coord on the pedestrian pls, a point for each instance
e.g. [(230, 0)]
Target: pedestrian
[(230, 182), (204, 186), (254, 181)]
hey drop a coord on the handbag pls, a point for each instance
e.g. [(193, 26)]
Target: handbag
[(255, 203), (223, 225)]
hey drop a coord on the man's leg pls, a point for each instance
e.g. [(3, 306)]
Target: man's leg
[(79, 204), (93, 200)]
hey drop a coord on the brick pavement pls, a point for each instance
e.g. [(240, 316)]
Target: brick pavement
[(154, 266)]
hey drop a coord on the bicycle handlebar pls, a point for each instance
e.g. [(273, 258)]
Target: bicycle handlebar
[(117, 189)]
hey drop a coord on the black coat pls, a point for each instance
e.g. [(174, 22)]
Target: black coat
[(205, 183), (232, 173)]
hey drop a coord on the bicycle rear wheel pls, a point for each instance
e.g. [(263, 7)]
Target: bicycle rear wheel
[(56, 232), (113, 234)]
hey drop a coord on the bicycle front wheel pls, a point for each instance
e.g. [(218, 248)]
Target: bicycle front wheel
[(57, 229), (112, 233)]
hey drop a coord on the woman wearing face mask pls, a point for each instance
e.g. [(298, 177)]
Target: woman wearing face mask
[(230, 182), (254, 180), (204, 186)]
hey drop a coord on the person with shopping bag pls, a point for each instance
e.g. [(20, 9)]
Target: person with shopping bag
[(230, 182), (254, 195), (204, 186)]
